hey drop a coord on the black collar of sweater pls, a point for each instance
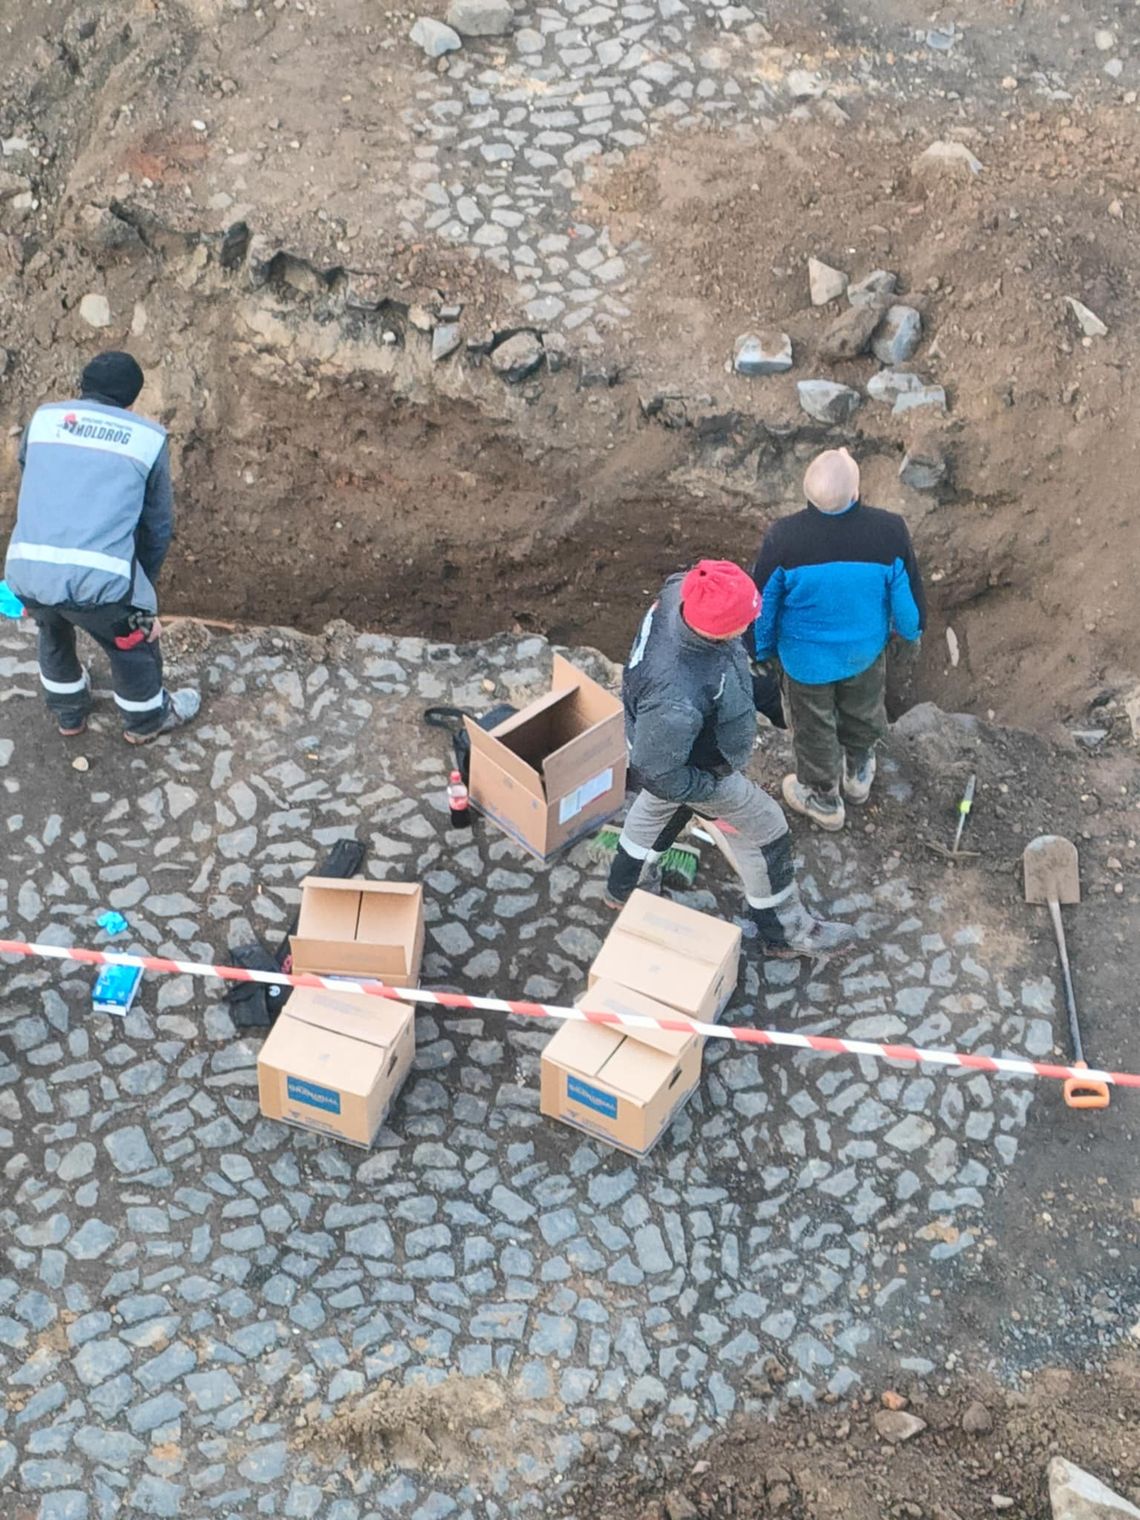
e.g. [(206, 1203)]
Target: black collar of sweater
[(103, 400)]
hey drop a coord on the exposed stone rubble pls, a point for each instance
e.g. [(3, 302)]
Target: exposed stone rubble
[(1077, 1495), (828, 402)]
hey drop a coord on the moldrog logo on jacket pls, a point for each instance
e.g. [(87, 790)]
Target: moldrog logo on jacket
[(96, 429)]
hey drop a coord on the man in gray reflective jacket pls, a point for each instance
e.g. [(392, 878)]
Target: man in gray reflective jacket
[(93, 524), (690, 724)]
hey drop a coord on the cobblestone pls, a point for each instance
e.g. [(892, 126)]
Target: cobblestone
[(212, 1264)]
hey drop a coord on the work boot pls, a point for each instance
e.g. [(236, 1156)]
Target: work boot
[(181, 708), (858, 775), (649, 881), (74, 722), (790, 930), (824, 808)]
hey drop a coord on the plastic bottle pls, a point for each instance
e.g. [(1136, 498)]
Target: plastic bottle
[(458, 802)]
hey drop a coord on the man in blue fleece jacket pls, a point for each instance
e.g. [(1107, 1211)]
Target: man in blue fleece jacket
[(837, 579)]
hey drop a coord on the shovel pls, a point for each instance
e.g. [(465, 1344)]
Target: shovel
[(1052, 875)]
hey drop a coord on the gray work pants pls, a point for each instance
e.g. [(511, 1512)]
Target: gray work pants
[(756, 842)]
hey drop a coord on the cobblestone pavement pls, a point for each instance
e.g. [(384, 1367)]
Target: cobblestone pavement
[(584, 84), (509, 135), (187, 1284)]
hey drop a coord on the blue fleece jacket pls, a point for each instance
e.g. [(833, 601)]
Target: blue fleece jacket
[(835, 586)]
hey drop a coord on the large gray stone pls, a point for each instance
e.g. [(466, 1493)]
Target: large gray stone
[(516, 358), (762, 354), (434, 37), (923, 466), (95, 310), (1076, 1495), (898, 336), (828, 402), (946, 157), (480, 18), (850, 334), (825, 283), (1089, 323), (889, 384), (897, 1425), (445, 340), (873, 289), (927, 396)]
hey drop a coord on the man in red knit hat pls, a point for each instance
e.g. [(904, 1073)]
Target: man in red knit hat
[(690, 725)]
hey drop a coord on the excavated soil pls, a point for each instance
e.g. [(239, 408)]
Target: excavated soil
[(326, 468), (832, 1464)]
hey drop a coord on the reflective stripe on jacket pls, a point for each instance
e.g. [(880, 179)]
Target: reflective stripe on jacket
[(94, 517)]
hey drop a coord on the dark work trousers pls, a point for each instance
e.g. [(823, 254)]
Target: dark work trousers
[(836, 719), (136, 674)]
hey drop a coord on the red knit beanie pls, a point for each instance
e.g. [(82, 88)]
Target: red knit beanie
[(718, 598)]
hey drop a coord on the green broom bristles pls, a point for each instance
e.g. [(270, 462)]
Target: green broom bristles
[(603, 845), (678, 865)]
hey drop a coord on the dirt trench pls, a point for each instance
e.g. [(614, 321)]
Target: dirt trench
[(327, 468)]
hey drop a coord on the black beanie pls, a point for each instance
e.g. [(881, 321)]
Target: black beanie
[(114, 376)]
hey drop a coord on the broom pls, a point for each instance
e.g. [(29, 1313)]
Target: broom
[(678, 864)]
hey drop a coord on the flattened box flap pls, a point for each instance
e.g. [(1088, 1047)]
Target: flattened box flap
[(611, 997), (640, 1071), (373, 1021), (673, 954), (678, 928), (583, 1047)]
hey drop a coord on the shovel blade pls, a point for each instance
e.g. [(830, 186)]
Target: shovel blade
[(1052, 870)]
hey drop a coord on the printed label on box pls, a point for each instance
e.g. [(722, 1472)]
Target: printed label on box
[(581, 797), (596, 1098), (325, 1098)]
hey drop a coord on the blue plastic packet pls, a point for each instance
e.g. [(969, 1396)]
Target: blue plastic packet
[(115, 989), (114, 923), (10, 604)]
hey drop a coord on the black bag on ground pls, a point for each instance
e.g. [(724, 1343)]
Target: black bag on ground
[(255, 1005), (451, 720)]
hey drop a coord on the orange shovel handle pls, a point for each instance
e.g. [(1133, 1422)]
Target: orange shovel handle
[(1080, 1094)]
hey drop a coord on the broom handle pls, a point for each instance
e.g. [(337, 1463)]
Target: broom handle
[(1067, 977)]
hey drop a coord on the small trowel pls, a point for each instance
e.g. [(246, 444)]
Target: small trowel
[(965, 805)]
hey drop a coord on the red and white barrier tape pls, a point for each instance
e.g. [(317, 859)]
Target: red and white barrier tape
[(826, 1044)]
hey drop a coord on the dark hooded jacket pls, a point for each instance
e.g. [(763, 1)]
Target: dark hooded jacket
[(689, 714)]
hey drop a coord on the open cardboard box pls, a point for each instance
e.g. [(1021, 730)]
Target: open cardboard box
[(623, 1085), (685, 959), (556, 769), (334, 1061), (360, 928)]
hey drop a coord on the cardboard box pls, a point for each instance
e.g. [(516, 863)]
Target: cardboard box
[(334, 1061), (685, 959), (623, 1085), (555, 770), (361, 928)]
